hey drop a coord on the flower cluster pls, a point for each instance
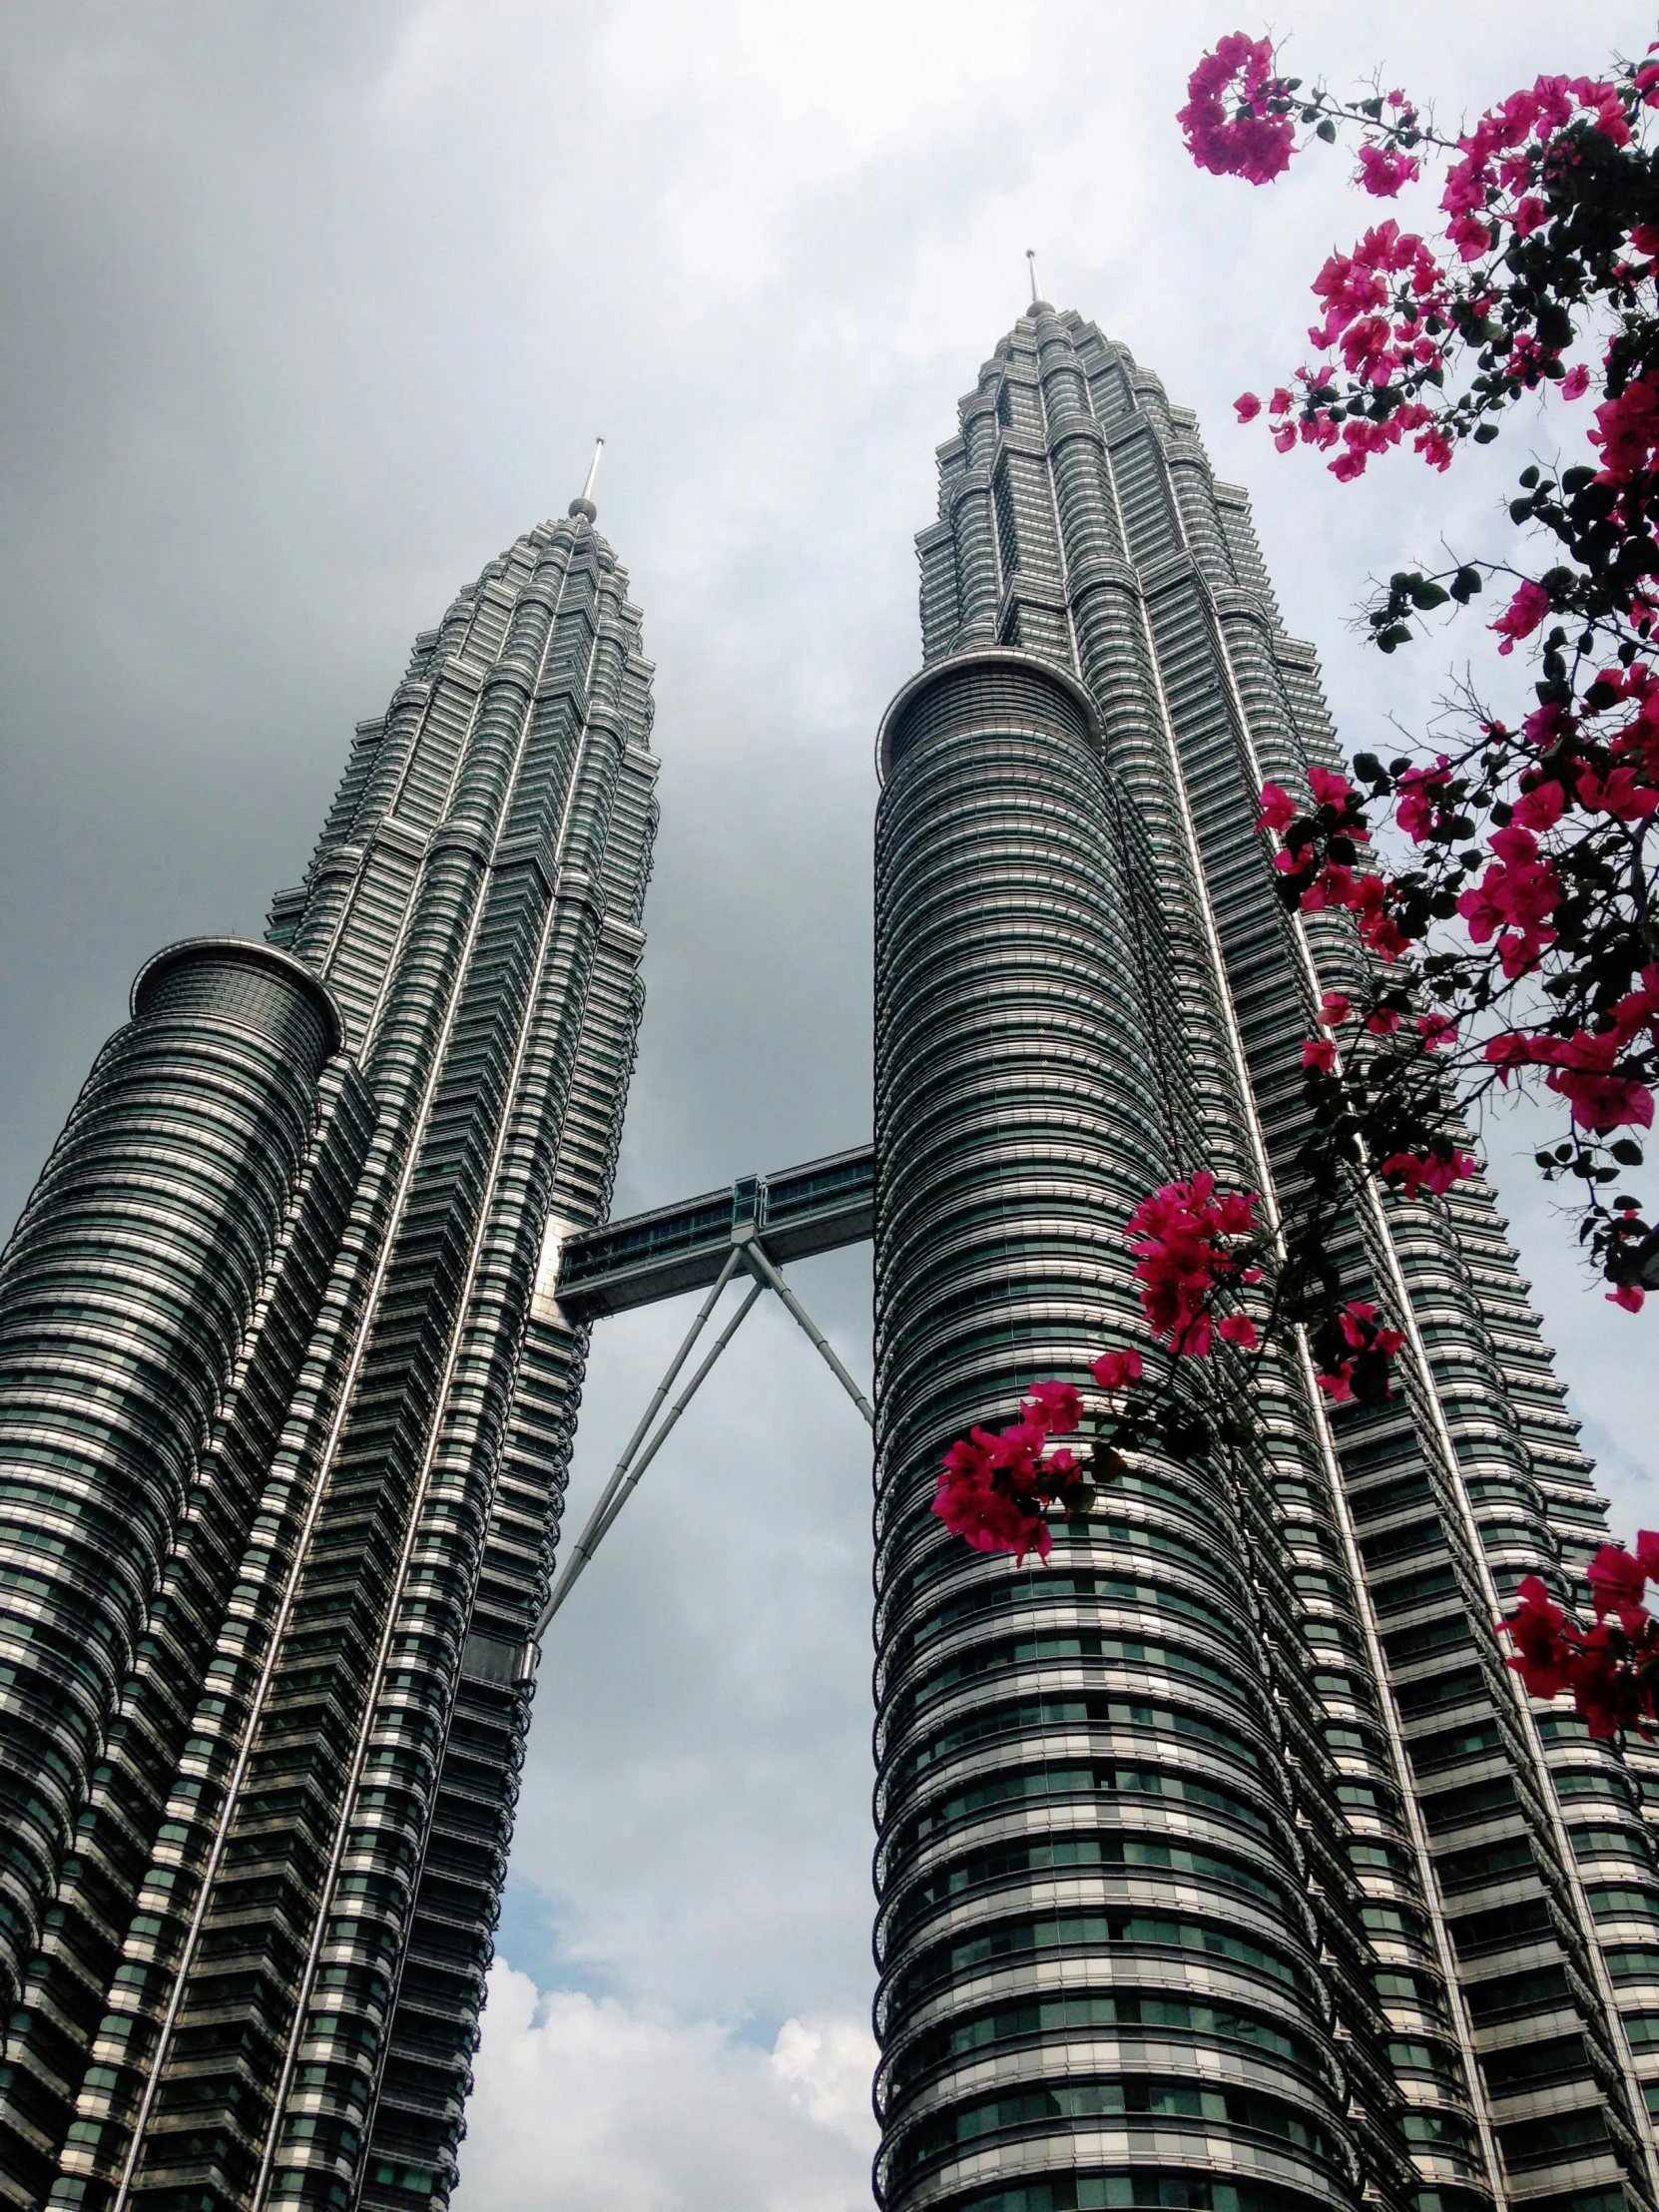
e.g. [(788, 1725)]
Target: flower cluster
[(993, 1490), (1354, 1352), (1235, 120), (1189, 1240), (1318, 862), (1611, 1668)]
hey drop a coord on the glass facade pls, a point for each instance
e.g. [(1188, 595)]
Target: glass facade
[(285, 1409), (1220, 1863)]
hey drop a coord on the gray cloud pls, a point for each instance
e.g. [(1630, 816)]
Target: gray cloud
[(311, 309)]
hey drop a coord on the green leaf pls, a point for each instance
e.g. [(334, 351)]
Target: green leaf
[(1328, 132), (1485, 433), (1425, 595), (1629, 1153)]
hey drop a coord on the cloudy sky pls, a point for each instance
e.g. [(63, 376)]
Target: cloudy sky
[(309, 309)]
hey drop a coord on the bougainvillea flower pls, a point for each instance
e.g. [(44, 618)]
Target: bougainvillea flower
[(1541, 808), (1056, 1407), (1320, 1054), (1329, 790), (1334, 1010), (1427, 1171), (1628, 1295), (1604, 1693), (1584, 1073), (1247, 406), (1117, 1370), (1240, 1329), (1617, 1581), (1279, 809), (1522, 615), (1541, 1654), (1417, 805), (1617, 793), (1439, 1031), (1382, 171), (1225, 126)]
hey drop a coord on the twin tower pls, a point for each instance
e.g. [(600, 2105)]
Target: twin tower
[(1220, 1865)]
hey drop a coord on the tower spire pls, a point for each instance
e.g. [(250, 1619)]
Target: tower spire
[(583, 504), (1031, 259)]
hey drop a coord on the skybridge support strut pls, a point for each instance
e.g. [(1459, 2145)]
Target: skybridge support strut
[(746, 1251)]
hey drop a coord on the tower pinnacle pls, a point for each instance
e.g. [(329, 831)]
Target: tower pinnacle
[(583, 504), (1037, 299)]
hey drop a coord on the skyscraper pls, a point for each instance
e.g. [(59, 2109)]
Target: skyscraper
[(1220, 1863), (285, 1411)]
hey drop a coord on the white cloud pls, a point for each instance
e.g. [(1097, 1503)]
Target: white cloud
[(595, 2106)]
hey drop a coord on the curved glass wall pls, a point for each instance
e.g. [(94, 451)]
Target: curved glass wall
[(1096, 1963)]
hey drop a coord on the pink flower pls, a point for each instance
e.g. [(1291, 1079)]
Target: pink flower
[(1279, 810), (1522, 892), (1328, 789), (1056, 1407), (1627, 429), (1616, 1584), (1516, 1050), (1516, 845), (1248, 142), (1584, 1073), (1240, 1329), (1248, 407), (1179, 1238), (1333, 886), (1382, 1023), (1338, 1387), (1320, 1054), (1541, 808), (1470, 237), (1542, 1653), (1522, 615), (1546, 727), (1576, 382), (1427, 1171), (1619, 794), (1529, 214), (1382, 171), (1629, 1296), (1418, 802), (1117, 1370), (1334, 1010), (1521, 954), (1439, 1031)]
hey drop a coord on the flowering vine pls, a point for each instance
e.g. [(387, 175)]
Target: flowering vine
[(1511, 944)]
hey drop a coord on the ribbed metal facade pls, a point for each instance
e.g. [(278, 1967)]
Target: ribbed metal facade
[(286, 1408), (1221, 1864)]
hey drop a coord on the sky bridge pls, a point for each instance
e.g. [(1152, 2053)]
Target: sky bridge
[(672, 1248)]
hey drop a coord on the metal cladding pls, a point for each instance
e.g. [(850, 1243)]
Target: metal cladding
[(286, 1408), (1221, 1862)]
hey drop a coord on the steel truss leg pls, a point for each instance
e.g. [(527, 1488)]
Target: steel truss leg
[(628, 1470), (759, 1262)]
